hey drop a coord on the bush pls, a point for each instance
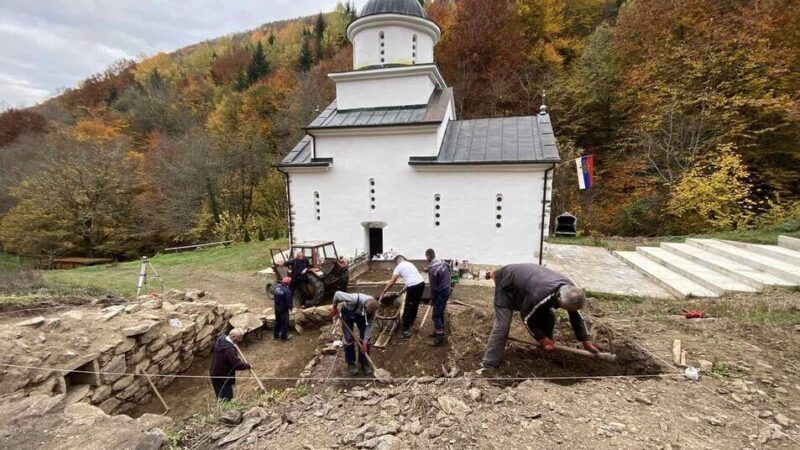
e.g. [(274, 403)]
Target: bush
[(261, 237), (247, 237)]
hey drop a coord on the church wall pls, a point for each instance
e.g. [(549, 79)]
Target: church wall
[(404, 202), (398, 46), (384, 92)]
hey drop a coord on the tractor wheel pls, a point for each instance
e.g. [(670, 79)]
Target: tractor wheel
[(310, 292)]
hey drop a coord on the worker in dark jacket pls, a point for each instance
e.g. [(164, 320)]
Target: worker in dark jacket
[(298, 271), (283, 305), (536, 292), (439, 281), (225, 363), (355, 310)]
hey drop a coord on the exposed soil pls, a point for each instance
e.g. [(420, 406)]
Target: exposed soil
[(270, 359), (374, 275)]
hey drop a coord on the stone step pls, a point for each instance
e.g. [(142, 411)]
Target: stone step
[(789, 242), (675, 283), (778, 268), (744, 273), (773, 251), (705, 276)]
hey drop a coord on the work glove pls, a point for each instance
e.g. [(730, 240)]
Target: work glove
[(547, 344), (589, 345), (334, 311)]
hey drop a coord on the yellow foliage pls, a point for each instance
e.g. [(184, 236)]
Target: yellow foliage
[(100, 130), (714, 195)]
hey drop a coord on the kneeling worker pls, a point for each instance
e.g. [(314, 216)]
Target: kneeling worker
[(356, 309), (225, 363), (535, 291)]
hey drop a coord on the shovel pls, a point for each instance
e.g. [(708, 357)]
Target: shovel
[(382, 375)]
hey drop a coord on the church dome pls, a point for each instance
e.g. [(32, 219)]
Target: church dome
[(404, 7)]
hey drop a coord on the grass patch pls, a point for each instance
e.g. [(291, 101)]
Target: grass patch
[(721, 370), (176, 269), (619, 299)]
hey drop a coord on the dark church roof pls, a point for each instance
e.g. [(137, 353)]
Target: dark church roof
[(405, 7), (504, 140)]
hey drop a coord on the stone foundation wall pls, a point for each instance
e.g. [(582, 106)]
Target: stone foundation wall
[(159, 336)]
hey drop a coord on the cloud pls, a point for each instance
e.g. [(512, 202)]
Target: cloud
[(48, 45)]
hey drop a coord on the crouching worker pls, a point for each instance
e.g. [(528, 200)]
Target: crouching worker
[(283, 304), (225, 363), (536, 292), (355, 310)]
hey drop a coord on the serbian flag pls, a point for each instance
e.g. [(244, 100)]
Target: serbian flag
[(585, 171)]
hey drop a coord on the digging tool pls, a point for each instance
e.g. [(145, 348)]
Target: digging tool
[(241, 355), (158, 394), (603, 356), (382, 375)]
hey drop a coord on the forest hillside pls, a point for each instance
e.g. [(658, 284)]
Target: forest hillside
[(691, 109)]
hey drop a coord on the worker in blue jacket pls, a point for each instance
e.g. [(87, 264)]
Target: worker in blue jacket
[(283, 304)]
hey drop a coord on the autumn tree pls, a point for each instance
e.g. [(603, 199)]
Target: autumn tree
[(82, 196), (16, 122)]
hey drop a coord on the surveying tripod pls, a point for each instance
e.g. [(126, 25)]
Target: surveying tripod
[(143, 275)]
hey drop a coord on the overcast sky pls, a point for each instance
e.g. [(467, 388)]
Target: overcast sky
[(48, 45)]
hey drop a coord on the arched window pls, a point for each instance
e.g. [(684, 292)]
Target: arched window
[(383, 47), (414, 49), (317, 206), (437, 210), (498, 211), (372, 194)]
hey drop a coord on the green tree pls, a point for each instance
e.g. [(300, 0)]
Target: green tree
[(319, 34), (259, 66), (261, 237), (305, 60)]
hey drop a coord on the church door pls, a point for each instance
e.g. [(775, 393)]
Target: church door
[(375, 241)]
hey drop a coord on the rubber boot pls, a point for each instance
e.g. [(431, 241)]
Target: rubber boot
[(367, 369), (352, 370), (438, 340)]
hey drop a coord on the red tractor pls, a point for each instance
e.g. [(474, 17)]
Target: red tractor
[(327, 272)]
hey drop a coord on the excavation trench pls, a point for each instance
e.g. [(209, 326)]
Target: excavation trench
[(468, 329)]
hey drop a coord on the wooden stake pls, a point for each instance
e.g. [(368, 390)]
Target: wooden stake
[(676, 352), (158, 394), (241, 355), (575, 351)]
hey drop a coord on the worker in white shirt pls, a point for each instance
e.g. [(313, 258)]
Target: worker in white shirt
[(415, 285)]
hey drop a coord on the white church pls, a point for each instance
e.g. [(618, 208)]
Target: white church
[(388, 165)]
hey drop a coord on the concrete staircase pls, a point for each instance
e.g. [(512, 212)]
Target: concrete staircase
[(712, 268)]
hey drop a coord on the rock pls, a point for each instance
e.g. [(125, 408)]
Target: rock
[(246, 321), (388, 442), (781, 420), (126, 345), (765, 414), (122, 383), (240, 431), (781, 390), (133, 308), (33, 322), (451, 405), (193, 295), (110, 312), (76, 393), (137, 330), (705, 365), (474, 394), (233, 417), (736, 398), (711, 420), (101, 394), (114, 369), (73, 315), (50, 324), (110, 405), (256, 412), (414, 427), (615, 427), (643, 400)]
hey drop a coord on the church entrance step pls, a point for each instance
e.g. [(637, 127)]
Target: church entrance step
[(787, 271), (712, 280), (789, 242), (675, 283)]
